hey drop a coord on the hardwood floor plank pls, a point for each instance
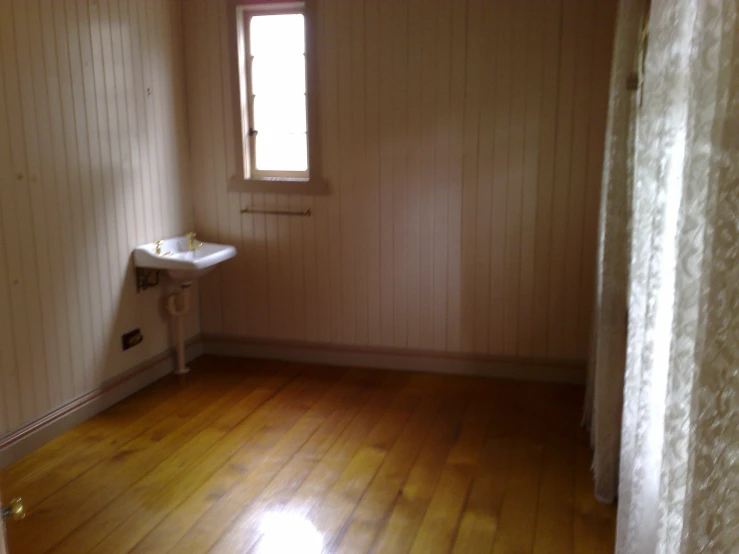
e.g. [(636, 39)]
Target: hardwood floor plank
[(330, 516), (554, 520), (240, 402), (410, 506), (479, 521), (440, 522), (476, 533), (517, 520), (377, 501), (246, 530), (91, 491), (76, 451), (250, 456), (333, 513), (210, 527), (178, 508), (269, 477), (328, 470)]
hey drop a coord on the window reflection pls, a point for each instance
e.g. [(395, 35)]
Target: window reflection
[(286, 533)]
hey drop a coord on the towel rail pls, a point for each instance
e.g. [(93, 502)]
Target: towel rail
[(247, 210)]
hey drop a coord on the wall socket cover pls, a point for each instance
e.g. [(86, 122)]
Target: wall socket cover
[(131, 339)]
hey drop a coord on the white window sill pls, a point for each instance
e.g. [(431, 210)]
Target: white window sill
[(279, 185)]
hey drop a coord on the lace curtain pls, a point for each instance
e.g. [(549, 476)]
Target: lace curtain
[(679, 453), (604, 399)]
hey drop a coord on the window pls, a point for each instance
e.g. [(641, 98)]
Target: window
[(274, 100)]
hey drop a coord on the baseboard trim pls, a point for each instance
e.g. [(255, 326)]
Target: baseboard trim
[(527, 369), (35, 434)]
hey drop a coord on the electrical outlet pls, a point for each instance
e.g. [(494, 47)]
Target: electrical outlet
[(131, 339)]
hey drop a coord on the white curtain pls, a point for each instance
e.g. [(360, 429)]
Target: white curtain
[(604, 399), (679, 450)]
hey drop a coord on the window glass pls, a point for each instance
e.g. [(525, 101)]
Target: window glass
[(280, 113), (278, 102), (277, 74), (281, 152), (275, 35)]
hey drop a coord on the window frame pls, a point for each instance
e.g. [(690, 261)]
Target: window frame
[(246, 178)]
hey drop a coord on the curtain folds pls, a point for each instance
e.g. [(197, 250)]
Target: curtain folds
[(678, 480), (604, 399)]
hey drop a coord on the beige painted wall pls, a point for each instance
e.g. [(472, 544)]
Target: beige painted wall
[(92, 162), (463, 141)]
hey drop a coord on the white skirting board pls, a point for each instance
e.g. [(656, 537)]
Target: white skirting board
[(398, 359), (44, 429)]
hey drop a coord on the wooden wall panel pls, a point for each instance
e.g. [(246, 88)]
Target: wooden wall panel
[(463, 142), (93, 161)]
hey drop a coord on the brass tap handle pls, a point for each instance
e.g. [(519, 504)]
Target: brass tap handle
[(15, 510), (191, 243), (158, 250)]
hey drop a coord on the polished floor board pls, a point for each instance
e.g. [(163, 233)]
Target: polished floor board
[(250, 456)]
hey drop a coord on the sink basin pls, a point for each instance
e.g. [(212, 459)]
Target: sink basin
[(179, 261)]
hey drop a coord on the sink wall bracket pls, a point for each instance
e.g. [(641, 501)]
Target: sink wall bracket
[(146, 278)]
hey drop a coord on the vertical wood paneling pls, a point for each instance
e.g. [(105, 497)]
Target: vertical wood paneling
[(492, 164), (578, 173), (471, 308), (519, 47), (297, 264), (33, 106), (57, 207), (371, 180), (139, 95), (425, 22), (91, 164), (535, 70), (246, 319), (461, 141), (9, 344), (24, 289), (92, 191), (345, 138), (563, 171), (68, 175), (227, 280), (418, 173), (386, 129), (330, 121), (442, 181), (359, 169), (456, 158), (397, 70)]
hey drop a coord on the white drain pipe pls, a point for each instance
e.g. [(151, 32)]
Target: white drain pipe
[(179, 314)]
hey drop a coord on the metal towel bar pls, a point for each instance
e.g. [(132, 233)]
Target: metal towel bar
[(306, 213)]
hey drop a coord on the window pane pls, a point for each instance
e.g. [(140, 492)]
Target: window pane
[(281, 152), (280, 114), (277, 35), (278, 75)]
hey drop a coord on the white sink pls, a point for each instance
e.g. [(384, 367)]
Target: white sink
[(175, 256)]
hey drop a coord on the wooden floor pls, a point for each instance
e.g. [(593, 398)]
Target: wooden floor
[(269, 457)]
